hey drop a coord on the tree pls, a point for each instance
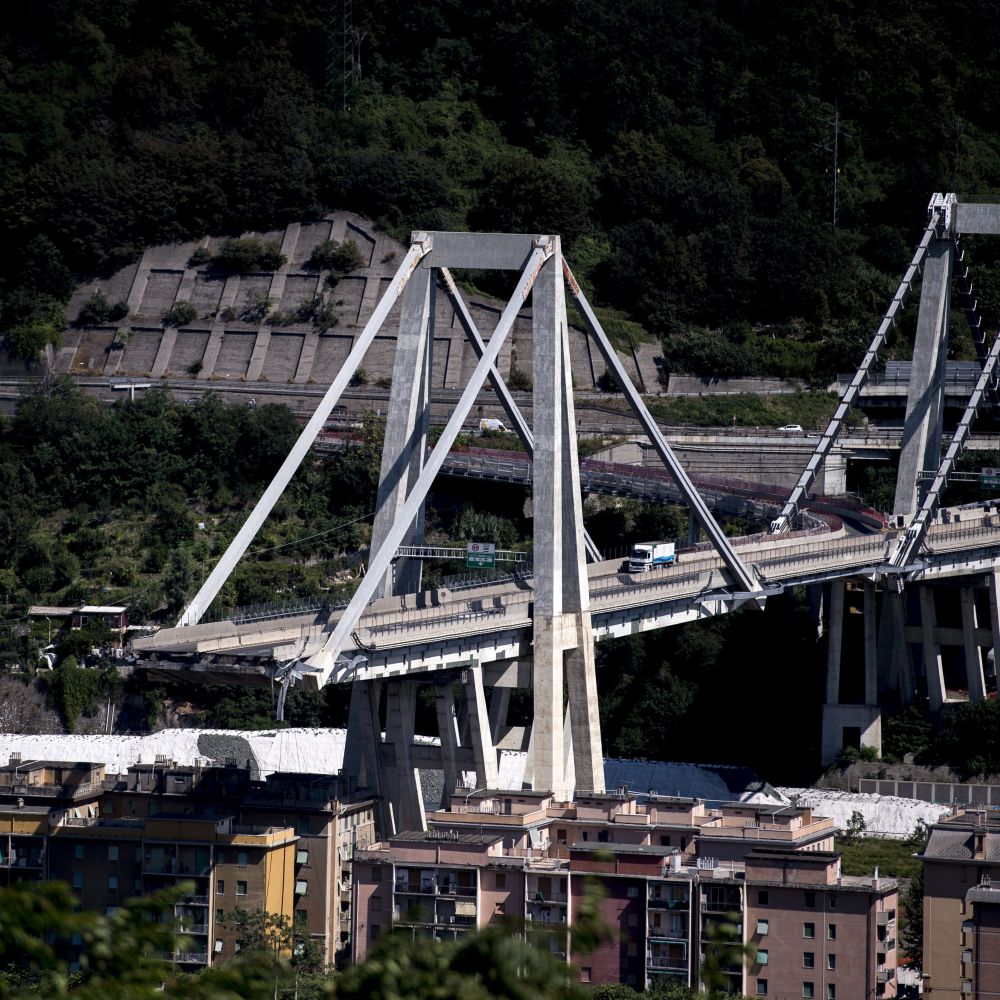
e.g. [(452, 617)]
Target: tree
[(856, 827), (42, 932)]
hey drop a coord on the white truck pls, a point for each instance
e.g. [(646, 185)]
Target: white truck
[(650, 555)]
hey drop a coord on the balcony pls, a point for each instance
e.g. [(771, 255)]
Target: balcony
[(663, 903), (191, 957), (193, 929), (660, 963), (22, 862)]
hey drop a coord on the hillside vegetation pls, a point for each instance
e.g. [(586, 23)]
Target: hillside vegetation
[(684, 151)]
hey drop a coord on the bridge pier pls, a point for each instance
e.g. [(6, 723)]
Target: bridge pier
[(845, 724)]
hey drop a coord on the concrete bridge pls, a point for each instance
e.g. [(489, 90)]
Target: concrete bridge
[(540, 632)]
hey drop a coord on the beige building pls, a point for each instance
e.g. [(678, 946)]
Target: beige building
[(283, 845), (961, 857), (672, 871)]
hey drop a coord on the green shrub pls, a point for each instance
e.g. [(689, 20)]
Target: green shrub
[(97, 310), (181, 314), (201, 256), (341, 258), (249, 253)]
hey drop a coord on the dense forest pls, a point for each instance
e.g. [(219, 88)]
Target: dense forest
[(685, 151)]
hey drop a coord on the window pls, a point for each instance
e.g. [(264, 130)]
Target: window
[(219, 916), (560, 836), (301, 916), (241, 859), (808, 991), (833, 902), (220, 857), (762, 899), (501, 880), (137, 885), (585, 974), (376, 873), (112, 881), (301, 857), (302, 826), (762, 987), (808, 960), (831, 932), (374, 931), (301, 887), (831, 962), (665, 840), (810, 899), (78, 852), (684, 842), (632, 950), (77, 880), (831, 991), (241, 888), (376, 906), (220, 888), (762, 956), (762, 927), (632, 892), (809, 930), (113, 852), (632, 920), (586, 835)]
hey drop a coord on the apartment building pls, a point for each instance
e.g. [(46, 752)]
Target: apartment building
[(961, 860), (283, 844), (674, 879), (981, 945)]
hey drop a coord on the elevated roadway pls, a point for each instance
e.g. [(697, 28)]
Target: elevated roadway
[(442, 630)]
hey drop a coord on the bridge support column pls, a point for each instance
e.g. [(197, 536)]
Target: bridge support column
[(973, 661), (849, 725), (401, 780), (694, 528), (994, 584), (483, 752), (933, 668), (563, 640), (835, 635), (835, 474), (814, 594), (448, 733), (902, 665), (499, 707), (871, 645), (406, 426), (921, 444), (362, 747)]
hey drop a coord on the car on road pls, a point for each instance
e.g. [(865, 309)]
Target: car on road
[(790, 429)]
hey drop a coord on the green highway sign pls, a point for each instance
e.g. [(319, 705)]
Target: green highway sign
[(989, 478), (480, 555)]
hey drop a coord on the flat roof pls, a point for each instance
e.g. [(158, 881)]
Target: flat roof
[(662, 850), (445, 837)]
